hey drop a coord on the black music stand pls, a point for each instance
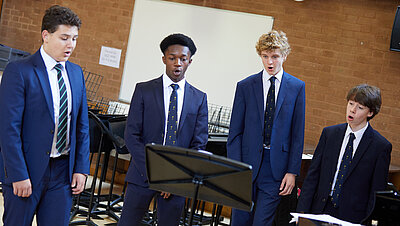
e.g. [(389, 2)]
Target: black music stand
[(199, 175), (386, 207)]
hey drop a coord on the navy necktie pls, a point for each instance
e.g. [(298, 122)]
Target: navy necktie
[(63, 112), (269, 112), (344, 166), (172, 123)]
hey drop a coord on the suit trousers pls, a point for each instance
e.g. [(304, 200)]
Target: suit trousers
[(50, 200), (265, 197), (137, 201)]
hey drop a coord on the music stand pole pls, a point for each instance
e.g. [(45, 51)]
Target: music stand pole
[(196, 192)]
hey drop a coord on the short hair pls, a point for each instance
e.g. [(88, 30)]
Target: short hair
[(273, 40), (59, 15), (178, 39), (369, 96)]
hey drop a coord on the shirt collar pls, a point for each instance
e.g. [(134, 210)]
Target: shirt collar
[(167, 82), (49, 62), (278, 75), (358, 134)]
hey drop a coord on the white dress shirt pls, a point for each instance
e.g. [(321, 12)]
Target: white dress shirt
[(267, 84), (358, 135), (55, 91), (167, 94)]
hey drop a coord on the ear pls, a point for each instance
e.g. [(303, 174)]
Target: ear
[(45, 35), (284, 58), (190, 61), (164, 60), (370, 114)]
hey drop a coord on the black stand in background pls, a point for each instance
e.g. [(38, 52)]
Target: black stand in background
[(199, 175), (103, 140), (387, 208)]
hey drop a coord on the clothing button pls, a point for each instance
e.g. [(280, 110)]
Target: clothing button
[(52, 131), (48, 153), (324, 200)]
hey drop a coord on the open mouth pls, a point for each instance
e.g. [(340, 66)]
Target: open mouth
[(350, 117), (67, 53), (177, 72)]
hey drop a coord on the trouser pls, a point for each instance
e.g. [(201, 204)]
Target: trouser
[(51, 199), (265, 197), (136, 203)]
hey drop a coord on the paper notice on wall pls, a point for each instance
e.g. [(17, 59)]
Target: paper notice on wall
[(110, 56)]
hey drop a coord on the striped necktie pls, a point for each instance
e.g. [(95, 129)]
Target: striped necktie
[(63, 112), (172, 123), (269, 112), (344, 166)]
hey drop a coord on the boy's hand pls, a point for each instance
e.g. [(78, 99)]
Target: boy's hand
[(287, 184), (22, 188)]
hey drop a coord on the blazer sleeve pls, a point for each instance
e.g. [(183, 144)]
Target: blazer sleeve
[(234, 143), (12, 102), (297, 140), (380, 176), (200, 135), (82, 163), (311, 182)]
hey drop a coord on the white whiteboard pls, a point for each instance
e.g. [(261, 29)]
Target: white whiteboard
[(225, 42)]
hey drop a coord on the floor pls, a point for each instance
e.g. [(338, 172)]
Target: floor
[(106, 220)]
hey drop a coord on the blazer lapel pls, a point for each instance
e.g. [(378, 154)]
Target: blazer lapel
[(43, 77), (361, 149), (158, 92), (282, 94), (336, 145), (259, 94), (75, 86), (186, 106)]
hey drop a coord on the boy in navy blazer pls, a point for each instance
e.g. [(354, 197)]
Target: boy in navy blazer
[(44, 129), (267, 129), (155, 105), (350, 163)]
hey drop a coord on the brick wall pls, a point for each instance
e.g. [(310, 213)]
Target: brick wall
[(336, 45), (104, 23)]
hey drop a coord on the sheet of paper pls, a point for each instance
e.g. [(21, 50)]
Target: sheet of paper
[(110, 56), (321, 217)]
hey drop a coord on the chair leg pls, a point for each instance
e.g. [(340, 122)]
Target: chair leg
[(88, 214)]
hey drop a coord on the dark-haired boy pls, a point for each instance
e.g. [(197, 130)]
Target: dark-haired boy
[(350, 163), (166, 110), (44, 135)]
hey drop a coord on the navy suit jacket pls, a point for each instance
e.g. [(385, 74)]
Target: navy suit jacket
[(368, 173), (245, 140), (27, 121), (146, 124)]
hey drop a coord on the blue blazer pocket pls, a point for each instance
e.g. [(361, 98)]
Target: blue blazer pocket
[(285, 147)]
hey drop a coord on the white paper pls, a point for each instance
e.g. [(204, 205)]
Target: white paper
[(321, 217), (110, 56), (307, 156)]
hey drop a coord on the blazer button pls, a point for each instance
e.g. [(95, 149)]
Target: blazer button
[(52, 131), (48, 153), (324, 200)]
